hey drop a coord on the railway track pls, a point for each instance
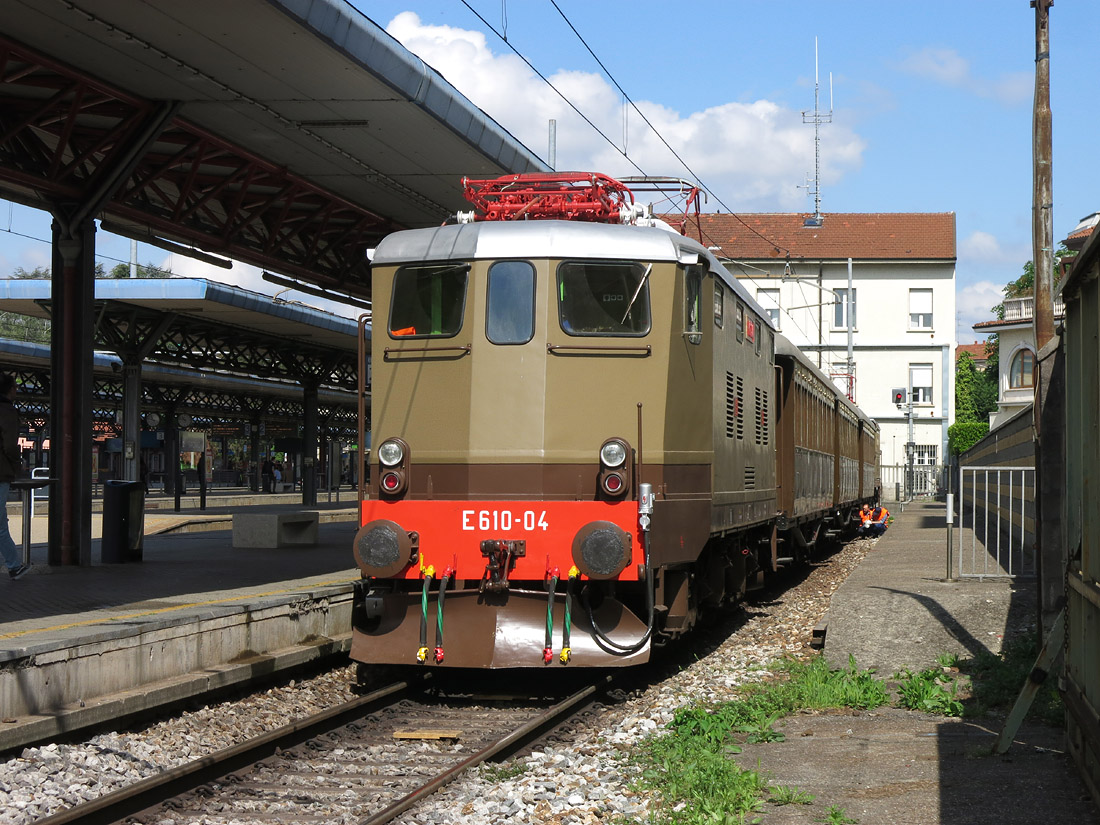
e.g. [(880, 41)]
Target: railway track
[(367, 760)]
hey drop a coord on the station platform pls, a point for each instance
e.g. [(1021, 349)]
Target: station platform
[(83, 644), (899, 610)]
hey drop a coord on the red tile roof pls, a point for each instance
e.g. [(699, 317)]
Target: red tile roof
[(859, 235), (976, 351)]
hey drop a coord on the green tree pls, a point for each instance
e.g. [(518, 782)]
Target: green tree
[(985, 388), (43, 273), (121, 270), (1025, 284), (963, 435), (24, 328), (38, 273), (975, 389), (966, 379)]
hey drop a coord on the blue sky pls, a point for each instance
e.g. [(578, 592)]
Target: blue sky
[(931, 108)]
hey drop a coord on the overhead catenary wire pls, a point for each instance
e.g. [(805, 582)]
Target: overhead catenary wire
[(503, 38), (557, 91), (656, 132)]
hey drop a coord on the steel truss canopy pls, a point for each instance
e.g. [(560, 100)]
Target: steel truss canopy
[(288, 134), (210, 327), (208, 399)]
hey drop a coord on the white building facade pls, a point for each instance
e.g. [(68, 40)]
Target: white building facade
[(1016, 355), (899, 330)]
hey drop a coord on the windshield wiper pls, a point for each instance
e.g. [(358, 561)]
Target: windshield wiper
[(637, 292)]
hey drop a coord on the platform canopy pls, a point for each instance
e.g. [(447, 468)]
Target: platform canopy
[(211, 328), (289, 134)]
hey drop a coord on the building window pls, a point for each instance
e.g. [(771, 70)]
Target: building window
[(924, 455), (769, 300), (920, 309), (840, 309), (1022, 372), (920, 383)]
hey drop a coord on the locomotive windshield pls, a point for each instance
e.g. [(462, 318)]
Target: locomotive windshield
[(603, 298), (428, 301), (510, 307)]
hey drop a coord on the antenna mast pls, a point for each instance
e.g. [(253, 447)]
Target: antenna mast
[(817, 119)]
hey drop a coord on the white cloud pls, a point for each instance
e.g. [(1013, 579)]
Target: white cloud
[(985, 252), (945, 66), (973, 304), (752, 155), (949, 68)]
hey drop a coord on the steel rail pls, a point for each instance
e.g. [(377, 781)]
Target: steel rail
[(538, 723), (147, 793)]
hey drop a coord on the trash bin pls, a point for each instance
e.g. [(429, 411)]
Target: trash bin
[(123, 521)]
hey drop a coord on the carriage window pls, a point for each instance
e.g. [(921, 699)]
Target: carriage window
[(693, 289), (510, 305), (428, 301), (597, 298)]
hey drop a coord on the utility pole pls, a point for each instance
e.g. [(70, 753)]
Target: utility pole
[(1042, 219), (1049, 367)]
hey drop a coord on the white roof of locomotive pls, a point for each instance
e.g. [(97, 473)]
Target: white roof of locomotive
[(495, 240)]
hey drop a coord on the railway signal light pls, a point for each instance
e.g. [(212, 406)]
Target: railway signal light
[(898, 395)]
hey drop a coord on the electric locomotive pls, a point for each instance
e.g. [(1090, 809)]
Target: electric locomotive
[(574, 441)]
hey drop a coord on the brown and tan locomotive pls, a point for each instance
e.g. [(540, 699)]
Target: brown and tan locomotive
[(585, 433)]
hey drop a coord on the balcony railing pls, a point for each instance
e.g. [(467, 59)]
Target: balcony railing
[(1023, 309)]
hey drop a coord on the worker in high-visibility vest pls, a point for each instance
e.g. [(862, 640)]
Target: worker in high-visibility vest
[(880, 517), (864, 517)]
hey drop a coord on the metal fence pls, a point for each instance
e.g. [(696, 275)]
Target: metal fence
[(995, 528), (900, 482)]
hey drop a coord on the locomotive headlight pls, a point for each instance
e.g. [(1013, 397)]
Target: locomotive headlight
[(393, 477), (615, 477), (391, 453), (613, 454)]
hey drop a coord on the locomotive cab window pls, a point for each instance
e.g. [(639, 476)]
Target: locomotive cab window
[(428, 301), (604, 298), (510, 303), (719, 304), (693, 298)]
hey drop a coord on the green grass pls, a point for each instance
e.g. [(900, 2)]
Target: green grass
[(500, 773), (930, 691), (786, 795), (837, 816), (689, 767), (997, 680)]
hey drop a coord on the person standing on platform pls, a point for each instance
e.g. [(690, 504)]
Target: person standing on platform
[(11, 466), (266, 475)]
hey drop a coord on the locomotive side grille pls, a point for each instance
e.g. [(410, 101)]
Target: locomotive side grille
[(762, 434), (731, 406), (750, 478), (740, 407)]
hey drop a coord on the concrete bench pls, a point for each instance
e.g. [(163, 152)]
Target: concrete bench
[(273, 530)]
